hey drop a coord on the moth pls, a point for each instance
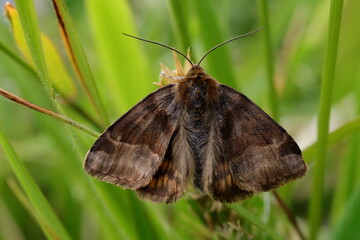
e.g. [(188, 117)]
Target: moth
[(197, 131)]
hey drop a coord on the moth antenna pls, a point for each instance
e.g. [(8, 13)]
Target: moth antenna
[(161, 44), (230, 40)]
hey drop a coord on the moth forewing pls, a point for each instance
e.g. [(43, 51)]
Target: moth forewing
[(129, 152), (260, 153)]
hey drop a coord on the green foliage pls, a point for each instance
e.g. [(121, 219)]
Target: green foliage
[(42, 210), (315, 210), (304, 64)]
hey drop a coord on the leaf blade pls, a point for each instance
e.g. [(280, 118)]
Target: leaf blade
[(39, 202)]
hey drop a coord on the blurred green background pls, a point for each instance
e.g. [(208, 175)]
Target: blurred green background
[(290, 69)]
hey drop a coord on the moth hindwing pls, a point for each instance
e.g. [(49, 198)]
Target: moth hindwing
[(196, 131)]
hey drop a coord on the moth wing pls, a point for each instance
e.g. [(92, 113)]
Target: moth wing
[(129, 152), (167, 183), (257, 153)]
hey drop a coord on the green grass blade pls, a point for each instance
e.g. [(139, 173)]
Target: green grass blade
[(212, 33), (254, 220), (317, 188), (346, 180), (333, 138), (179, 20), (50, 113), (145, 228), (17, 59), (54, 64), (79, 59), (159, 223), (31, 28), (37, 199), (118, 215), (20, 195), (269, 58), (124, 68), (9, 229), (349, 225)]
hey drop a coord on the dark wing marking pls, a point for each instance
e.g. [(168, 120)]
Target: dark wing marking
[(258, 153), (129, 152), (167, 183), (223, 187)]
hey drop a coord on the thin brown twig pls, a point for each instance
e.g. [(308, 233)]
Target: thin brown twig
[(289, 214), (48, 112)]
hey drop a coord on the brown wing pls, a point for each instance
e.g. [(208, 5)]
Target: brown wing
[(167, 185), (130, 151), (224, 187), (257, 154)]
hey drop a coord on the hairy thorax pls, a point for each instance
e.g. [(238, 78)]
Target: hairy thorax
[(198, 93)]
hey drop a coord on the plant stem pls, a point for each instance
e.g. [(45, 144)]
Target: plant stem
[(269, 61), (289, 214), (315, 210), (48, 112)]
